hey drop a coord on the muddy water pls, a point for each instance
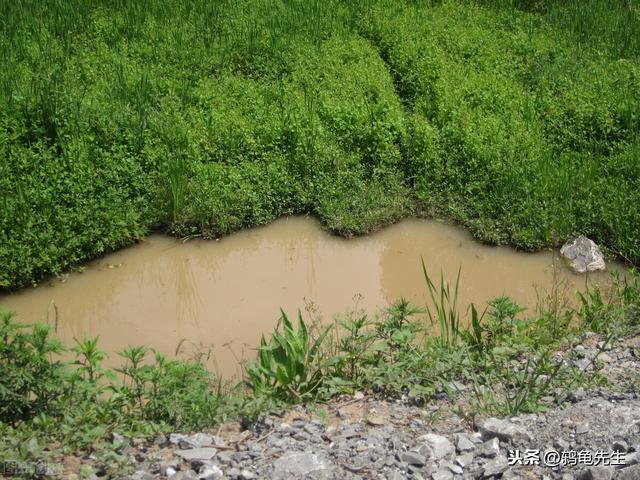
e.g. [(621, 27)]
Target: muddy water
[(224, 294)]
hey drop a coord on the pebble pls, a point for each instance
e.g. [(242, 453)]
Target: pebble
[(413, 458)]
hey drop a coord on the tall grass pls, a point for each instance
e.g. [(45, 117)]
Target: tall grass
[(518, 119), (443, 310)]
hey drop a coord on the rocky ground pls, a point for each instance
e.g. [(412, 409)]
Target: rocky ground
[(594, 434)]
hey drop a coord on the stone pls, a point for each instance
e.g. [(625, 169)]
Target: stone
[(184, 475), (413, 458), (504, 430), (175, 438), (583, 255), (495, 467), (247, 475), (465, 460), (629, 473), (596, 473), (441, 446), (141, 475), (233, 473), (578, 395), (442, 474), (489, 449), (395, 475), (224, 457), (582, 428), (298, 465), (210, 472), (376, 421), (632, 458), (168, 472), (620, 446), (198, 454), (197, 440), (463, 444), (511, 474)]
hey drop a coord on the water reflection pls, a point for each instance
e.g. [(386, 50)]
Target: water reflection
[(224, 294)]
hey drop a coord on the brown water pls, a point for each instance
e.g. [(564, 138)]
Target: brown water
[(224, 294)]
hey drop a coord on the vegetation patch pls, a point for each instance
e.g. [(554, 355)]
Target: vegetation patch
[(508, 363), (518, 119)]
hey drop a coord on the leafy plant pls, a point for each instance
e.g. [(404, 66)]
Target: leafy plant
[(289, 365), (30, 380), (443, 311)]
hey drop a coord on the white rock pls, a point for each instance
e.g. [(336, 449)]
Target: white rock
[(504, 430), (441, 446), (201, 454), (297, 465), (583, 255)]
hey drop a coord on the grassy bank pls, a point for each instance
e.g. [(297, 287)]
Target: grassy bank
[(518, 119), (50, 408)]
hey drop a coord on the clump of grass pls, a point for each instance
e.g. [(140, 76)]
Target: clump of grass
[(444, 308)]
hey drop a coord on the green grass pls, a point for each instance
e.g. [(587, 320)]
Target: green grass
[(517, 118)]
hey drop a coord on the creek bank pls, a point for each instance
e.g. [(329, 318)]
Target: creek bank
[(363, 437)]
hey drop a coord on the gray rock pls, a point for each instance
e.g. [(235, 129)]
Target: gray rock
[(441, 446), (578, 395), (489, 449), (175, 438), (632, 458), (442, 474), (198, 454), (233, 473), (197, 440), (210, 472), (582, 428), (463, 444), (583, 255), (629, 473), (247, 475), (620, 446), (299, 465), (141, 475), (223, 457), (465, 460), (395, 475), (511, 474), (504, 430), (453, 467), (184, 475), (495, 467), (413, 458), (596, 473)]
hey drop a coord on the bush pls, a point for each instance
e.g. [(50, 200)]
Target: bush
[(30, 380)]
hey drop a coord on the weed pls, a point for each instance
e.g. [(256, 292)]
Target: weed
[(288, 365)]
